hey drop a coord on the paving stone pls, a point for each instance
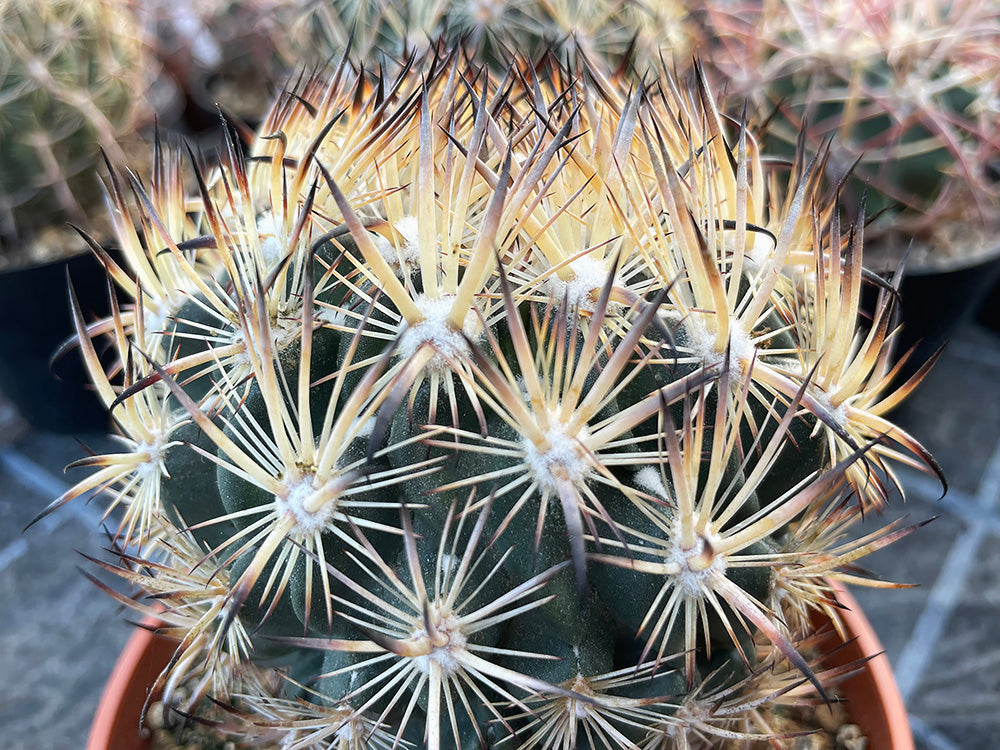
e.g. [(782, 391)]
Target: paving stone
[(960, 693), (963, 678), (980, 733), (60, 639), (914, 559), (18, 505), (26, 489), (55, 452)]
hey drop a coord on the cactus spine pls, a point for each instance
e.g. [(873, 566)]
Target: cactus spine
[(528, 412)]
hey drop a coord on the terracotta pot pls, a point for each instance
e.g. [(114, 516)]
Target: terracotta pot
[(873, 699), (116, 724)]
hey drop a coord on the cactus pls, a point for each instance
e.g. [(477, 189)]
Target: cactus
[(72, 78), (908, 93), (621, 31), (233, 54), (464, 412)]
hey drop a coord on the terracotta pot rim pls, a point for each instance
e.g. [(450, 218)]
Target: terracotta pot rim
[(894, 732), (128, 688), (884, 719)]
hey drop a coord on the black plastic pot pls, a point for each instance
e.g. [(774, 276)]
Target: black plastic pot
[(35, 319), (989, 310)]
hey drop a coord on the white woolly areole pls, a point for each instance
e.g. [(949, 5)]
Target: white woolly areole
[(435, 330), (565, 457), (295, 499), (446, 656), (650, 480), (581, 292), (580, 709), (152, 468), (694, 573), (346, 732), (272, 245), (837, 413), (742, 351), (399, 259), (331, 316), (757, 257), (155, 318), (157, 312), (285, 330)]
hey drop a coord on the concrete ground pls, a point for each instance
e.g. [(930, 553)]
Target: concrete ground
[(59, 636)]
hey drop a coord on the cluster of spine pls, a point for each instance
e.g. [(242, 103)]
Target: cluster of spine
[(908, 93), (72, 76), (521, 411)]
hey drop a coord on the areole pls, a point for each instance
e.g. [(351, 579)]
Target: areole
[(873, 699)]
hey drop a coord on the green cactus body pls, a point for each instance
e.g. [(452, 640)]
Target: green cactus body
[(556, 453)]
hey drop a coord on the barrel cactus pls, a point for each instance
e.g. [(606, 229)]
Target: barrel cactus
[(470, 411), (72, 78), (907, 92)]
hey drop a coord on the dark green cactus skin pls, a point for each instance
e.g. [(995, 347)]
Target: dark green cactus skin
[(190, 493), (592, 635)]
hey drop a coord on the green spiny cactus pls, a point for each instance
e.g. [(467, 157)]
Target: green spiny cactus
[(72, 79), (493, 31), (474, 414), (907, 92)]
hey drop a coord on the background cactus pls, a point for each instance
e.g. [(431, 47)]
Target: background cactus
[(233, 54), (73, 74), (529, 412), (907, 92), (616, 31)]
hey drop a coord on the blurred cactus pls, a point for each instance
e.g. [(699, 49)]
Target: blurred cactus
[(617, 31), (908, 92), (231, 53), (237, 53), (72, 81), (527, 412)]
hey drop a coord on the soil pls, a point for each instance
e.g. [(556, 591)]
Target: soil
[(828, 728), (191, 736)]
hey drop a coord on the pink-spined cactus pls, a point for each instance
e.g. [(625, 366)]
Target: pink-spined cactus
[(908, 93)]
